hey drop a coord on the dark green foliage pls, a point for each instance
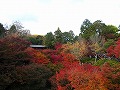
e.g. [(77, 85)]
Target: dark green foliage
[(36, 39), (76, 38), (108, 43), (85, 31), (111, 32), (58, 36), (87, 60), (98, 27), (12, 29), (32, 40), (2, 31), (40, 39), (89, 29), (49, 40), (68, 37), (111, 29)]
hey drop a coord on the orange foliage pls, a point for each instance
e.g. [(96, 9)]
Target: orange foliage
[(88, 77), (37, 56), (67, 57), (80, 77)]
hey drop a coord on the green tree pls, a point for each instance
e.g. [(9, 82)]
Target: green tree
[(12, 29), (49, 40), (89, 29), (111, 32), (2, 30), (111, 29), (85, 30), (119, 28), (76, 38), (103, 30), (98, 27), (36, 39), (72, 35), (40, 39), (58, 36), (68, 36), (32, 40)]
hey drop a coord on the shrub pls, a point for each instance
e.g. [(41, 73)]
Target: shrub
[(87, 60), (102, 61), (108, 43)]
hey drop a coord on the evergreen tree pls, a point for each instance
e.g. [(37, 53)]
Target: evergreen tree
[(58, 36), (2, 30), (49, 40)]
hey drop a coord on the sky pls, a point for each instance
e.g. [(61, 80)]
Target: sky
[(43, 16)]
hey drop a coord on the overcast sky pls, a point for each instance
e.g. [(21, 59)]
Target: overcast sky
[(43, 16)]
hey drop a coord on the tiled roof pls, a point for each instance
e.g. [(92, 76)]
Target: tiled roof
[(37, 46)]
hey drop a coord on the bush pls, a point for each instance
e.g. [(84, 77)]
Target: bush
[(102, 61), (87, 60), (108, 43)]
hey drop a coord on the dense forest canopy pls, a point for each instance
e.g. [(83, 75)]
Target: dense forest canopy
[(90, 61)]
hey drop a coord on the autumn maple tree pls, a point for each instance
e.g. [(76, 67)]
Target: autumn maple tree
[(114, 50), (12, 51), (80, 77)]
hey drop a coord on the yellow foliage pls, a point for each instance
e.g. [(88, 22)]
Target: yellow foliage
[(96, 47), (79, 49)]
